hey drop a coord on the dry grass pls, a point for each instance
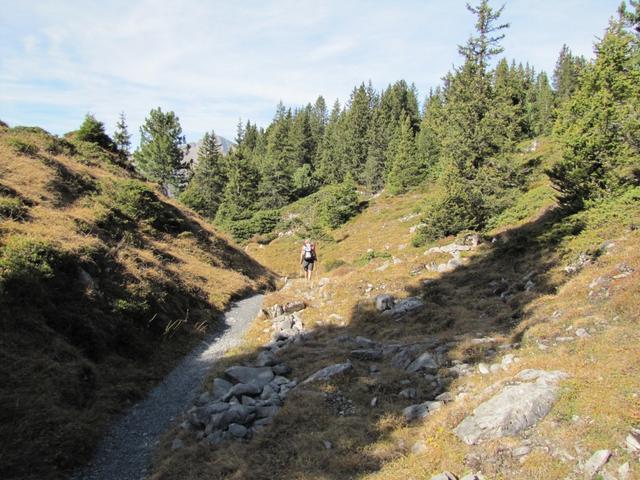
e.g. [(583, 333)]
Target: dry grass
[(598, 404), (72, 355)]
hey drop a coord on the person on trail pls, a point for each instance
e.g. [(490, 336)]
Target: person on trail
[(308, 258)]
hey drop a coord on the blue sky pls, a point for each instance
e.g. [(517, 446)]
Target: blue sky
[(214, 62)]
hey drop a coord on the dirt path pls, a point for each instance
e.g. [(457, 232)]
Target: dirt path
[(125, 452)]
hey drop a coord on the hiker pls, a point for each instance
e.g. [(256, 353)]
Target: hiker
[(308, 258)]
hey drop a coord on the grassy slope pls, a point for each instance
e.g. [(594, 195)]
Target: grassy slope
[(598, 404), (127, 283)]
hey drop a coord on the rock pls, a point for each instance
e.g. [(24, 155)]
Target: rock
[(409, 393), (266, 411), (382, 268), (521, 451), (578, 264), (366, 342), (328, 372), (633, 440), (596, 462), (295, 306), (266, 358), (262, 422), (258, 376), (220, 388), (242, 389), (203, 399), (513, 409), (384, 302), (281, 369), (198, 417), (374, 369), (424, 362), (405, 306), (445, 397), (483, 369), (473, 476), (287, 327), (419, 448), (177, 444), (366, 354), (245, 400), (327, 444), (420, 411), (624, 470), (276, 311), (402, 359), (444, 476), (495, 368), (237, 430), (582, 333), (374, 402), (237, 413)]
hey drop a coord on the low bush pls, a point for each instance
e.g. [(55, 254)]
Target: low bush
[(261, 223), (12, 208), (60, 146), (371, 255), (23, 148), (333, 264)]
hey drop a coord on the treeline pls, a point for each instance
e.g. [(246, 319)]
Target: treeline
[(463, 137)]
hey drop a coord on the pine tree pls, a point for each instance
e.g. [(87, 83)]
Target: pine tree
[(205, 190), (566, 75), (374, 173), (407, 170), (541, 106), (357, 120), (122, 138), (428, 140), (330, 168), (159, 157), (339, 203), (599, 125), (93, 131), (239, 196)]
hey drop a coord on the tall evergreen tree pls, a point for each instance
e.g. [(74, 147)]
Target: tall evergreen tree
[(330, 168), (406, 170), (357, 121), (428, 140), (239, 198), (122, 138), (374, 173), (205, 190), (159, 157), (566, 74)]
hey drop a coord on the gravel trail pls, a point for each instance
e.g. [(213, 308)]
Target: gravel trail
[(125, 451)]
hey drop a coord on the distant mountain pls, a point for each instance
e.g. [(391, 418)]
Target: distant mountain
[(192, 155)]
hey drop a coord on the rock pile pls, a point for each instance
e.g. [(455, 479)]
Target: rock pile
[(391, 307), (242, 402)]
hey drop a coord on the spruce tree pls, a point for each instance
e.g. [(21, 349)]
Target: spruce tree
[(122, 138), (93, 131), (159, 157), (428, 140), (239, 196), (357, 120), (566, 75), (406, 170), (204, 191), (374, 173), (330, 168)]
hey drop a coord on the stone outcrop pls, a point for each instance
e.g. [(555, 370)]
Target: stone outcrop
[(515, 408)]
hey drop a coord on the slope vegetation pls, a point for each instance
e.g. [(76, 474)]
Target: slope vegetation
[(543, 290), (104, 284)]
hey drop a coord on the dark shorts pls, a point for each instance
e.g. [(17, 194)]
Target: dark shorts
[(307, 265)]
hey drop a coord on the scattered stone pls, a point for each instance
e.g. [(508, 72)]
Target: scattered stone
[(374, 401), (266, 358), (220, 388), (495, 368), (513, 409), (276, 311), (624, 470), (384, 302), (578, 264), (366, 354), (294, 306), (258, 376), (327, 444), (366, 342), (424, 362), (596, 462), (445, 397), (237, 430), (420, 411), (444, 476), (374, 369), (328, 372), (419, 448), (521, 451), (582, 333), (633, 440), (408, 393), (405, 306), (177, 444), (483, 369), (240, 389)]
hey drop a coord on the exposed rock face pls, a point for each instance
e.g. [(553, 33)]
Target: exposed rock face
[(287, 328), (513, 409), (384, 302), (328, 372), (405, 306)]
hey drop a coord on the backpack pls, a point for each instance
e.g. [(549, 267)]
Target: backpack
[(309, 252)]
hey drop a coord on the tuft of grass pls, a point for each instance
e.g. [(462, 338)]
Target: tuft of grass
[(12, 208), (23, 148)]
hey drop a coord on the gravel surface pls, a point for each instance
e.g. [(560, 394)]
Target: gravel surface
[(125, 451)]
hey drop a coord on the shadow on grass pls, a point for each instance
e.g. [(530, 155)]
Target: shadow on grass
[(488, 297)]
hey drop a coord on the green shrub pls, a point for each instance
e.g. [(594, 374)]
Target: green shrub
[(93, 131), (339, 203), (371, 255), (60, 146), (132, 198), (90, 153), (261, 223), (333, 264), (12, 208), (25, 263), (23, 148)]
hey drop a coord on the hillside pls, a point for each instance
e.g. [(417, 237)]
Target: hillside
[(104, 285), (192, 155), (543, 289)]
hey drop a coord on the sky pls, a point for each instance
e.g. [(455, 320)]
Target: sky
[(215, 62)]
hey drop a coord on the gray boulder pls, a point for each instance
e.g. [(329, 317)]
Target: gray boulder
[(258, 376), (384, 302), (420, 411), (513, 409), (328, 372), (242, 389), (237, 413), (281, 369), (405, 306), (294, 306), (424, 362), (237, 430), (266, 358), (596, 462), (402, 359), (367, 354), (220, 388)]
